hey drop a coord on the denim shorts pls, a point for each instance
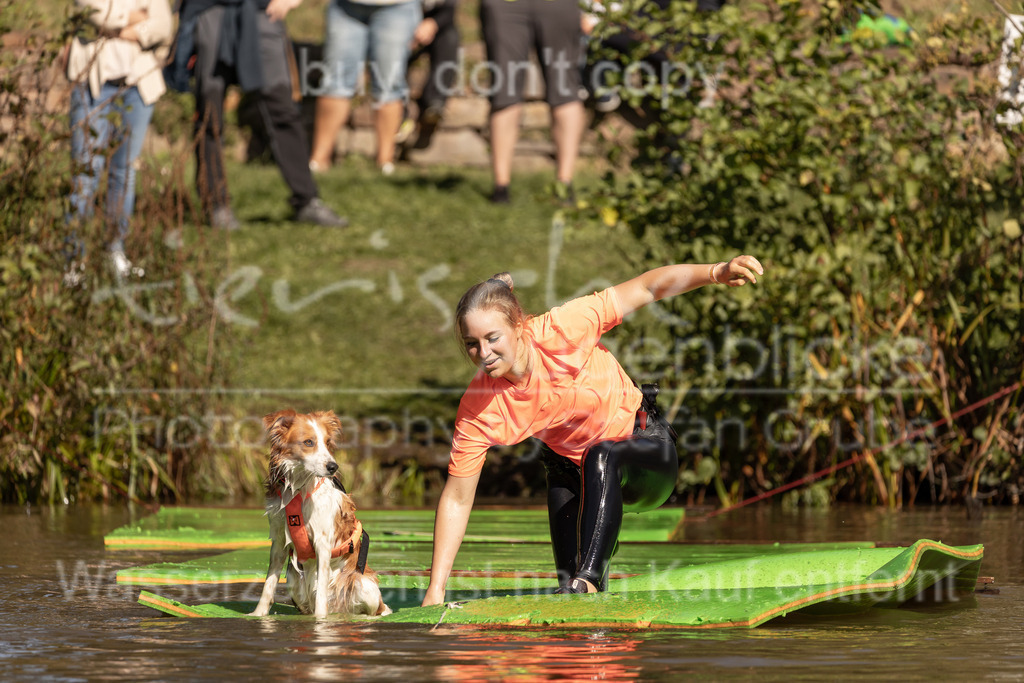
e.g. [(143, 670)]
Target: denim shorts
[(377, 36)]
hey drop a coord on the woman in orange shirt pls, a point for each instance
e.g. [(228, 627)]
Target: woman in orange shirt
[(607, 448)]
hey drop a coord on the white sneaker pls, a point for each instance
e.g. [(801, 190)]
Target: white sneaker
[(387, 169), (607, 102), (74, 274), (122, 267)]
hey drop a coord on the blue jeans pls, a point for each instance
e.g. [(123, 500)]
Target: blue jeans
[(380, 35), (111, 126)]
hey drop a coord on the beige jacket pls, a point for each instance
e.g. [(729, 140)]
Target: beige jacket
[(86, 58)]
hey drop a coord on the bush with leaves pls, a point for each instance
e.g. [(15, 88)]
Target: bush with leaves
[(873, 183), (99, 383)]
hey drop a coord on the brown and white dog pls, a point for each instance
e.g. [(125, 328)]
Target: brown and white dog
[(313, 526)]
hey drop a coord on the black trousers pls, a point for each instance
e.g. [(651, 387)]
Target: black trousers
[(585, 503), (281, 117), (442, 80)]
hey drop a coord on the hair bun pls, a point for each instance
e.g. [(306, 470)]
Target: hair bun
[(503, 278)]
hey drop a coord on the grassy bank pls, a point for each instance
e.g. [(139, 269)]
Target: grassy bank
[(370, 307), (360, 320)]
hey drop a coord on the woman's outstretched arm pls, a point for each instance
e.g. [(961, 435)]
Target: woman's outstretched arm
[(450, 522), (667, 281)]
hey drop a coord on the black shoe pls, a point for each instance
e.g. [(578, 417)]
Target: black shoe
[(318, 213), (500, 195), (574, 586), (430, 119), (432, 114)]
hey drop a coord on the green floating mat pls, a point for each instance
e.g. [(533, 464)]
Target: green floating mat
[(481, 565), (219, 609), (728, 593), (174, 528), (190, 528)]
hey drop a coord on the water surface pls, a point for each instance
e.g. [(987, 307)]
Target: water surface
[(64, 618)]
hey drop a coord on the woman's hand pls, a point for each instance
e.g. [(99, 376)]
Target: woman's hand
[(277, 10), (737, 272), (130, 32), (425, 33)]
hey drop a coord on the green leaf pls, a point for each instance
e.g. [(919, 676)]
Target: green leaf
[(1011, 228)]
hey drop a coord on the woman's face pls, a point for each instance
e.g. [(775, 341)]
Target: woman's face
[(492, 344)]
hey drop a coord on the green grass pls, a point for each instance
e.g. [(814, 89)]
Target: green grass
[(347, 318)]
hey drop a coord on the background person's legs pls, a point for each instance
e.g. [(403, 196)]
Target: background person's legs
[(331, 114), (386, 120), (508, 36), (559, 49), (444, 73), (91, 131), (345, 47), (391, 29), (281, 117), (504, 134), (91, 134), (567, 124), (209, 92), (134, 116), (442, 81)]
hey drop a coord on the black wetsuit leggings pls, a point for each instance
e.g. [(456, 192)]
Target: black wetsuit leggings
[(585, 504)]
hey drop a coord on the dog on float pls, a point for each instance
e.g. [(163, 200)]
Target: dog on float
[(313, 525)]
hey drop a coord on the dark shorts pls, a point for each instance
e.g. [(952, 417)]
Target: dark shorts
[(512, 28)]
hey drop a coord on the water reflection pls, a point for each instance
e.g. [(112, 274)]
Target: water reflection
[(332, 650), (538, 656)]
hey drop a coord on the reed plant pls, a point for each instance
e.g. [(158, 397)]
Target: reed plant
[(90, 363)]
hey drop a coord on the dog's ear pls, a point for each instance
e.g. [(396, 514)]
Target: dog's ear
[(277, 424), (331, 422)]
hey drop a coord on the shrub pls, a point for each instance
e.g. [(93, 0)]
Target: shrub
[(873, 183)]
